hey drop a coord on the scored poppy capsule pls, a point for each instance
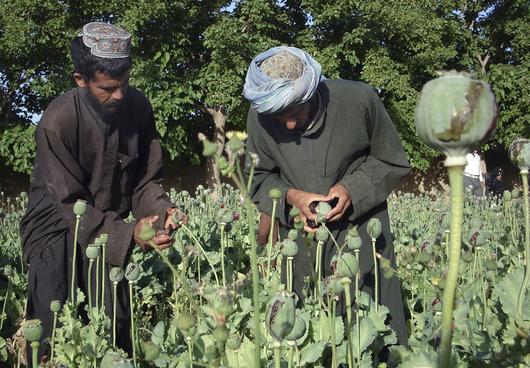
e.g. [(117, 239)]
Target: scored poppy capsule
[(455, 113)]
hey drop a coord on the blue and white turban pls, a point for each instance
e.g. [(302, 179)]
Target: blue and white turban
[(269, 96)]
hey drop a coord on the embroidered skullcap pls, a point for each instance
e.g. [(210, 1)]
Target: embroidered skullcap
[(281, 77), (106, 40)]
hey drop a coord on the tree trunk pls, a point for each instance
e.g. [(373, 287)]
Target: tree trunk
[(213, 176)]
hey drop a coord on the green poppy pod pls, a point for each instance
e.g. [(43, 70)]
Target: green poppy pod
[(275, 193), (289, 248), (294, 212), (177, 217), (92, 252), (280, 316), (116, 274), (298, 330), (185, 323), (374, 228), (515, 193), (506, 196), (32, 330), (147, 232), (455, 113), (490, 265), (132, 272), (298, 224), (151, 350), (224, 308), (354, 231), (220, 334), (55, 306), (334, 286), (354, 242), (211, 353), (104, 237), (8, 270), (234, 342), (235, 145), (322, 234), (292, 234), (346, 265), (519, 152), (80, 207), (322, 209)]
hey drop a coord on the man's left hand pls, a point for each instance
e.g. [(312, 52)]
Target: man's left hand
[(344, 201)]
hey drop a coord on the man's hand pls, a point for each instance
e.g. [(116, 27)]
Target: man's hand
[(143, 226), (344, 201), (302, 200), (171, 225)]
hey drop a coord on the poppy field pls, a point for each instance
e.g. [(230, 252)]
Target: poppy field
[(218, 299)]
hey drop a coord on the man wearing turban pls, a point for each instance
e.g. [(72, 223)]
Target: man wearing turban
[(324, 140)]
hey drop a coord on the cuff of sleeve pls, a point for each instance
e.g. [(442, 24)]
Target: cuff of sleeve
[(119, 244)]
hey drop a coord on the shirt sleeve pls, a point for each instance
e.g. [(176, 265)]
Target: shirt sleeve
[(266, 173), (370, 183), (57, 153), (149, 198)]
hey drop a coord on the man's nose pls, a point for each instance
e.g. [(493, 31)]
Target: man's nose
[(118, 94)]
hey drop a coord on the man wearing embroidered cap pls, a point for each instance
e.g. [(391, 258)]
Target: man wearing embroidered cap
[(97, 143), (324, 140)]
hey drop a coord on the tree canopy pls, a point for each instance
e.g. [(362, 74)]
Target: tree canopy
[(191, 57)]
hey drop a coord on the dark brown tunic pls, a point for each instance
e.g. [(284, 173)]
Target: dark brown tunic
[(115, 166), (352, 142)]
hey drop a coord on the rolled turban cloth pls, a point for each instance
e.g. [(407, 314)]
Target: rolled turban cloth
[(271, 95)]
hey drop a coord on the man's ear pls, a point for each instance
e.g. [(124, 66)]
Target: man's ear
[(80, 80)]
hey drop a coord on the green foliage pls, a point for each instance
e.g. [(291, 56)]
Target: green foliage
[(17, 147)]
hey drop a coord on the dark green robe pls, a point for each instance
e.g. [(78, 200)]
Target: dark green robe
[(352, 142)]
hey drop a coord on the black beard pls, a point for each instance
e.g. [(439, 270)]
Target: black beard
[(107, 112)]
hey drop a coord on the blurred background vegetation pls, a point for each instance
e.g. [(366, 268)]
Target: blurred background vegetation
[(191, 56)]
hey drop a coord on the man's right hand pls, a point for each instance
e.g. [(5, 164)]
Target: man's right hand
[(302, 200), (161, 241)]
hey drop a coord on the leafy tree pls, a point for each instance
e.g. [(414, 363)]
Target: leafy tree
[(190, 58), (397, 46)]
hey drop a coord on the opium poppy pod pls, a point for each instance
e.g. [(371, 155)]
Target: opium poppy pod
[(132, 272), (454, 113), (280, 316), (275, 193), (80, 207), (32, 330), (116, 274), (520, 153)]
